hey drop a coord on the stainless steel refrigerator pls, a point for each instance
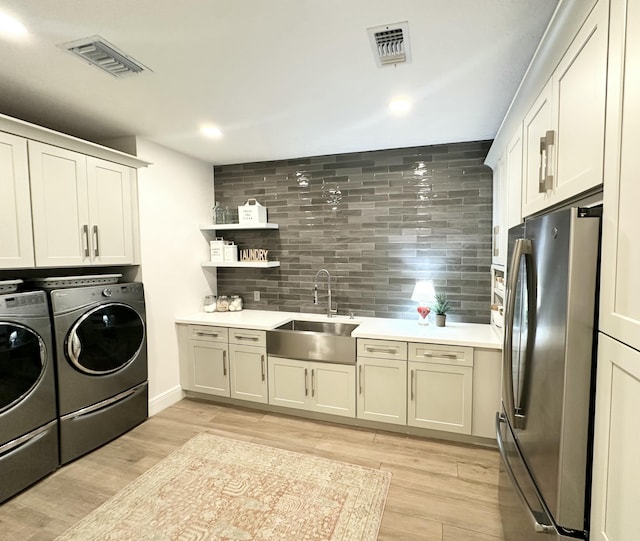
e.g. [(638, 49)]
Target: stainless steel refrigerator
[(544, 428)]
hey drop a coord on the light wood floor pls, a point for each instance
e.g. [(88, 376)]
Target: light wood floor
[(439, 492)]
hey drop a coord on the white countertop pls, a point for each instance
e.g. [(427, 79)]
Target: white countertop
[(460, 334)]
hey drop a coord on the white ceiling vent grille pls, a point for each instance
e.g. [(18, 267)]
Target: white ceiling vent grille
[(102, 54), (390, 43)]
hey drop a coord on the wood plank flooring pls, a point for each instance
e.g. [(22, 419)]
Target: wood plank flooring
[(439, 492)]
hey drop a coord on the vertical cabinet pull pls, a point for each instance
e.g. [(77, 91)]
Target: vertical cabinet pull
[(313, 383), (262, 365), (96, 245), (224, 363), (545, 176), (412, 381), (306, 387), (85, 239), (360, 379)]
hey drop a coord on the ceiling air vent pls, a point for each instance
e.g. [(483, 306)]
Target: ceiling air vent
[(390, 43), (99, 52)]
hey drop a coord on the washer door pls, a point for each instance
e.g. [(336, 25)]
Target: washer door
[(22, 362), (105, 339)]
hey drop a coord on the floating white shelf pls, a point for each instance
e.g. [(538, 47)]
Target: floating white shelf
[(255, 264), (232, 227)]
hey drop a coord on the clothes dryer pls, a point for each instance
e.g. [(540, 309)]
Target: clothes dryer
[(28, 418), (101, 361)]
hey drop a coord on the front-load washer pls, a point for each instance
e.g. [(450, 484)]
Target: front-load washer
[(28, 418), (101, 361)]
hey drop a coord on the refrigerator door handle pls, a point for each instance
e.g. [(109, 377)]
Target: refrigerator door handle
[(537, 525), (522, 248)]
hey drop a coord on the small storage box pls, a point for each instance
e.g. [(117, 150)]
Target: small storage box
[(217, 250), (230, 252), (252, 213)]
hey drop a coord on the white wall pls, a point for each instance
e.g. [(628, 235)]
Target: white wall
[(175, 197)]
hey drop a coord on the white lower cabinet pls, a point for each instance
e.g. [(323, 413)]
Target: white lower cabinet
[(382, 380), (313, 386), (205, 354), (440, 388), (248, 365), (616, 469)]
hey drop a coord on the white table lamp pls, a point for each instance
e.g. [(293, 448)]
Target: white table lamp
[(423, 294)]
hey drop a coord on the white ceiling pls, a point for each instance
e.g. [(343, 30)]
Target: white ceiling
[(280, 78)]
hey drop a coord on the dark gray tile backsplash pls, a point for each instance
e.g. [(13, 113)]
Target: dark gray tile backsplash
[(378, 221)]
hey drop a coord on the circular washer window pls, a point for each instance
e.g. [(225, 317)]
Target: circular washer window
[(105, 339), (22, 362)]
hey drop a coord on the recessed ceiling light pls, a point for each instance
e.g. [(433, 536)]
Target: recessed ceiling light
[(399, 105), (211, 131), (12, 27)]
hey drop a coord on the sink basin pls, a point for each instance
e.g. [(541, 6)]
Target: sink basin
[(327, 341), (325, 327)]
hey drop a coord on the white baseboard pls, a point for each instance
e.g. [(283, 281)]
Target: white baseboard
[(164, 400)]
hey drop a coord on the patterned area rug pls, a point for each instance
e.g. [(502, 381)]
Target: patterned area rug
[(218, 488)]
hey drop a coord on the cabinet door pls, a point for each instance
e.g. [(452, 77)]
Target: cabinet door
[(16, 240), (536, 124), (110, 212), (209, 369), (333, 388), (248, 373), (579, 90), (382, 390), (289, 382), (513, 184), (440, 396), (59, 205), (616, 472), (620, 295), (499, 255)]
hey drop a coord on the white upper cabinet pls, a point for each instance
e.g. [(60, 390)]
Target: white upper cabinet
[(620, 295), (514, 182), (564, 128), (82, 208), (499, 248), (16, 243)]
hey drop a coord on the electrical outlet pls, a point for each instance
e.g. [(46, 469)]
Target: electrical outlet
[(256, 296)]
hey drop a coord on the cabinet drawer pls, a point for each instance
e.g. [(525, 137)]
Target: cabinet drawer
[(382, 349), (431, 353), (208, 334), (248, 337)]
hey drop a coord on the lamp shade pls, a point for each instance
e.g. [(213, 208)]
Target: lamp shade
[(424, 291)]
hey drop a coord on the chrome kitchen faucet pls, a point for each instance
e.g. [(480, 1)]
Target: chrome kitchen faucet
[(330, 311)]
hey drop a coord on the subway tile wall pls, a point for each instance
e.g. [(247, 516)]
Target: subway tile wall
[(377, 221)]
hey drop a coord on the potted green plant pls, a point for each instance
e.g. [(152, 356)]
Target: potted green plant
[(441, 306)]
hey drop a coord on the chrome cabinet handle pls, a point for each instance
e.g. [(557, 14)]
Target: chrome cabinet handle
[(85, 239), (203, 333), (96, 248), (224, 363), (379, 349), (262, 365), (360, 379), (306, 386), (412, 381), (545, 177), (246, 337), (313, 383)]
